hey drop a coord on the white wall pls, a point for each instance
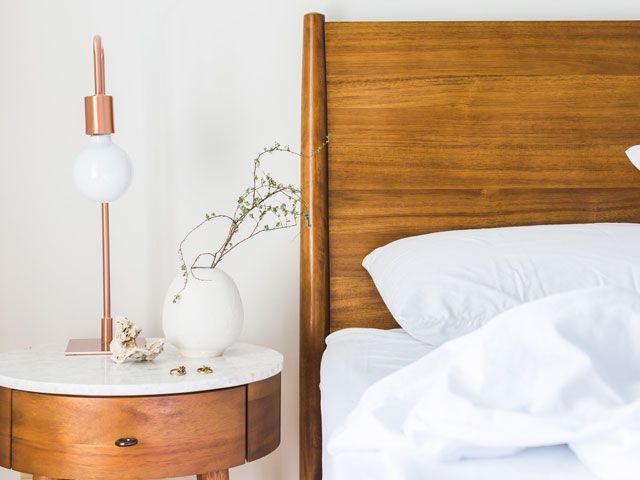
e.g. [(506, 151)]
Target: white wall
[(199, 87)]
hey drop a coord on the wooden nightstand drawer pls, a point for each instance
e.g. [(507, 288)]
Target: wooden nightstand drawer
[(177, 435)]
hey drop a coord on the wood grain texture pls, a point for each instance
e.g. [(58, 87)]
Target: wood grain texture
[(5, 427), (314, 245), (219, 475), (441, 126), (178, 435), (450, 125), (263, 417)]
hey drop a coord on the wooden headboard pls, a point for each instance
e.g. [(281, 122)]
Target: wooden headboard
[(448, 125)]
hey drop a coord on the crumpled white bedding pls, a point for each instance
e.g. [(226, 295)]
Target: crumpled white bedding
[(355, 359), (561, 370)]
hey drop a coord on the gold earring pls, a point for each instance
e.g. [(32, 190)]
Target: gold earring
[(178, 371)]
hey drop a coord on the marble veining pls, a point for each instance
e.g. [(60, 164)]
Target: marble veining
[(45, 369)]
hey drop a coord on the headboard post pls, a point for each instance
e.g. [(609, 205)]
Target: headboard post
[(314, 245)]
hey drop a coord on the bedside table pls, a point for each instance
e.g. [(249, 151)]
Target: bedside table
[(88, 418)]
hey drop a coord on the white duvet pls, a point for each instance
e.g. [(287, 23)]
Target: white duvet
[(561, 370)]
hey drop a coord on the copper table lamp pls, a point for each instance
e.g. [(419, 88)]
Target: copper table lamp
[(103, 172)]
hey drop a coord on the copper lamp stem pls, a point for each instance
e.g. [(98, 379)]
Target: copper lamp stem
[(107, 327), (98, 108), (98, 66)]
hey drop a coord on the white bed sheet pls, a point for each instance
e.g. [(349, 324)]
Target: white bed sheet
[(356, 358)]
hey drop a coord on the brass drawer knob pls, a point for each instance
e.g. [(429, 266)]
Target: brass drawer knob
[(126, 442)]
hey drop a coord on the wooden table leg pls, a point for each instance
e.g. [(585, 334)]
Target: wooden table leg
[(219, 475)]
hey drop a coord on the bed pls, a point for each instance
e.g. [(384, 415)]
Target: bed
[(439, 126)]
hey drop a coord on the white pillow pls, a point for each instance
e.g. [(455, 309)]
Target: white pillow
[(443, 285)]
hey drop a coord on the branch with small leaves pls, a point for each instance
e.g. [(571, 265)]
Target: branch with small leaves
[(265, 206)]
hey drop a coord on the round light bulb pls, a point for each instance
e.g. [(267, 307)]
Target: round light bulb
[(102, 171), (634, 155)]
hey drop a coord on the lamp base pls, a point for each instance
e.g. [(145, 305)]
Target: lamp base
[(85, 346), (91, 346)]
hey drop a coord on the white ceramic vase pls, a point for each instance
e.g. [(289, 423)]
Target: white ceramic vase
[(208, 316)]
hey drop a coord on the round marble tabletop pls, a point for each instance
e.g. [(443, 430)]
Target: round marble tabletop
[(45, 369)]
